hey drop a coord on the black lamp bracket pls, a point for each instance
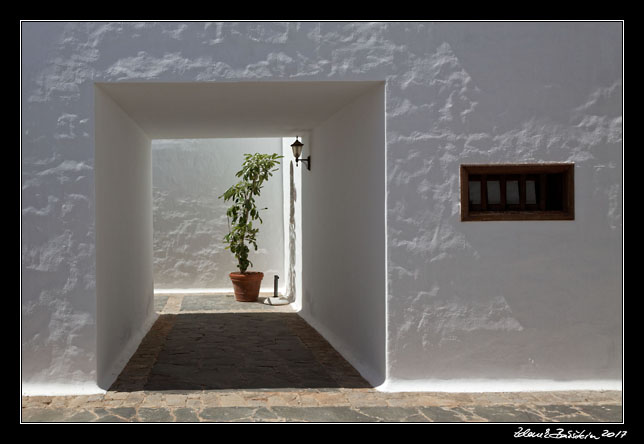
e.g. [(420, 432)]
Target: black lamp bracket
[(307, 160)]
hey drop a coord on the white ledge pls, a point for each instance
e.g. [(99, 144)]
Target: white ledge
[(59, 389), (496, 385)]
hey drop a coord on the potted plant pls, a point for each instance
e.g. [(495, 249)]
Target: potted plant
[(256, 169)]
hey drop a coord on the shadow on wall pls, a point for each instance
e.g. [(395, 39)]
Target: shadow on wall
[(291, 237)]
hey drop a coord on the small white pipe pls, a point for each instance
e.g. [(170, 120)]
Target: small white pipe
[(275, 279)]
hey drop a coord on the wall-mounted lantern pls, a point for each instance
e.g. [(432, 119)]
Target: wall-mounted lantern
[(297, 152)]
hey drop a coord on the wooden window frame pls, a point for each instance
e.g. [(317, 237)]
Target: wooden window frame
[(521, 172)]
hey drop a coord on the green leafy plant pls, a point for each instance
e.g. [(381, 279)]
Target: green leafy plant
[(256, 169)]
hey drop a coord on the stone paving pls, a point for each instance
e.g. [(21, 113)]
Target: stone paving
[(211, 359)]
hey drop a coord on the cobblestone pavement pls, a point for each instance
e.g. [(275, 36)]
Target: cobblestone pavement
[(211, 359)]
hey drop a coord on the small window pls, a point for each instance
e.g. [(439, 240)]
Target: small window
[(517, 192)]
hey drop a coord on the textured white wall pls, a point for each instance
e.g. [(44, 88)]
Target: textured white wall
[(292, 188), (506, 300), (343, 230), (190, 220), (464, 300), (124, 276)]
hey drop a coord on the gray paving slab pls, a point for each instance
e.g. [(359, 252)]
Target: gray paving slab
[(393, 414), (605, 413), (229, 414), (155, 414), (321, 414), (440, 414), (159, 302)]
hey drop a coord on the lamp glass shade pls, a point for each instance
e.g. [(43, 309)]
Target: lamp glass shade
[(297, 148)]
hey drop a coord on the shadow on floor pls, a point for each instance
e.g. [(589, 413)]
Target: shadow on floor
[(218, 351)]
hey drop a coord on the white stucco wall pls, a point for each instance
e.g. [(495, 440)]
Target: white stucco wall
[(478, 305), (343, 264), (291, 282), (485, 303), (190, 220), (124, 276)]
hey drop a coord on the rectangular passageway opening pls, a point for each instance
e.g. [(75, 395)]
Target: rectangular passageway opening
[(339, 215)]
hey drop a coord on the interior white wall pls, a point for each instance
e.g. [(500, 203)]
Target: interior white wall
[(343, 229), (190, 220), (124, 276), (292, 186)]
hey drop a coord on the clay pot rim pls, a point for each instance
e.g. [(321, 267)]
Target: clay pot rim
[(246, 275)]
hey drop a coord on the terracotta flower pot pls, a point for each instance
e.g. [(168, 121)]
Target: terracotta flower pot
[(246, 285)]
